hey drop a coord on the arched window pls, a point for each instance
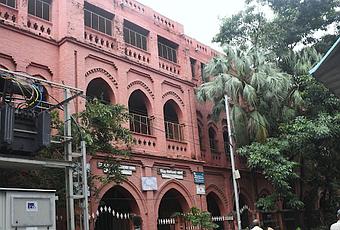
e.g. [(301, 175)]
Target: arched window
[(173, 129), (200, 135), (226, 141), (212, 140), (99, 89), (140, 122)]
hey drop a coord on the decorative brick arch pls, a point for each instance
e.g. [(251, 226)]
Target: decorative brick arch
[(103, 71), (213, 125), (173, 184), (39, 69), (142, 84), (132, 189), (8, 62), (174, 95), (220, 194), (247, 197)]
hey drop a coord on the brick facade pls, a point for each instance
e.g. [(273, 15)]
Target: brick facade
[(63, 49)]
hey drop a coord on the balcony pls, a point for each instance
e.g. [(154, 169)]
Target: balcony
[(169, 66), (39, 26), (137, 54), (174, 131), (99, 39), (8, 14), (140, 124)]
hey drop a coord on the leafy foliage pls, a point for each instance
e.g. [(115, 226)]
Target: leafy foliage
[(199, 218), (257, 88), (103, 128), (293, 22)]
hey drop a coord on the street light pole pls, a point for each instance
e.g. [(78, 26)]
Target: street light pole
[(232, 161)]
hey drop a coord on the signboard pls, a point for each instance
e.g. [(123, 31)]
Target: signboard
[(229, 218), (31, 206), (125, 169), (199, 177), (171, 174), (200, 189), (149, 183)]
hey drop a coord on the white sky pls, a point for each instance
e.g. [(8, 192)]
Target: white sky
[(199, 17)]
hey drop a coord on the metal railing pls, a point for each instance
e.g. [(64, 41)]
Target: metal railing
[(140, 124), (173, 131)]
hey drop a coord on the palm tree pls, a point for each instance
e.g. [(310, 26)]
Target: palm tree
[(258, 90)]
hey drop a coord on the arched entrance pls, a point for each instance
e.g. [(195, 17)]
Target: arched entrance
[(172, 202), (244, 210), (118, 210), (213, 207)]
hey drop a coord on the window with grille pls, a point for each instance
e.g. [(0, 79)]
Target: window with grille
[(40, 8), (10, 3), (98, 19), (167, 49), (135, 35)]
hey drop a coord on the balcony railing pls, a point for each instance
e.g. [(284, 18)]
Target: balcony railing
[(173, 131), (140, 124)]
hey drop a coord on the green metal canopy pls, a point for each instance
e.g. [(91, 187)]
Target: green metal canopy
[(327, 70)]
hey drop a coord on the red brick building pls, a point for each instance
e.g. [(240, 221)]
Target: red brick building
[(124, 52)]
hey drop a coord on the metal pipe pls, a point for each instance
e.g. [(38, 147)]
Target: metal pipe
[(85, 187), (68, 157), (232, 160)]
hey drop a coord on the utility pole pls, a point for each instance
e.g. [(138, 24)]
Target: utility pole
[(68, 157), (232, 160), (85, 190)]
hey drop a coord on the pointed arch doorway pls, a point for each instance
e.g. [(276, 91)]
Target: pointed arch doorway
[(118, 210)]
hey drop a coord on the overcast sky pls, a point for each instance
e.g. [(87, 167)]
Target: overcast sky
[(200, 18)]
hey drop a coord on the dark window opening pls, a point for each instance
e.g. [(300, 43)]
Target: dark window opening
[(167, 49), (200, 136), (135, 35), (99, 89), (193, 67), (212, 140), (173, 130), (226, 141), (10, 3), (139, 121), (202, 71), (98, 19), (40, 8)]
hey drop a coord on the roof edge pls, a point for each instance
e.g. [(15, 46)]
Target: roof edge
[(324, 58)]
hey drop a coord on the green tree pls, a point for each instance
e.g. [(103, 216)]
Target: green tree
[(293, 22), (258, 90), (306, 147)]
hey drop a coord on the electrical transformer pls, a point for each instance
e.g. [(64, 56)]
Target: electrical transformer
[(27, 209)]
